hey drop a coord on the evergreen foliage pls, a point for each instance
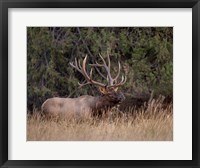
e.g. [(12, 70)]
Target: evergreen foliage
[(145, 53)]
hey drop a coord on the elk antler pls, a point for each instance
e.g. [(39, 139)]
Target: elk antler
[(82, 70), (112, 81)]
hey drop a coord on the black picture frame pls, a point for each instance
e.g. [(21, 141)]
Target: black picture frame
[(4, 97)]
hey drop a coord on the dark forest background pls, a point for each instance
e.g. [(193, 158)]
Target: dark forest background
[(145, 53)]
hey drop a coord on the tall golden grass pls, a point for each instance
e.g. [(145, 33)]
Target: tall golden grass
[(153, 122)]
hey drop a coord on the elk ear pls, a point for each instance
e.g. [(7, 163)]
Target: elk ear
[(103, 90), (115, 89)]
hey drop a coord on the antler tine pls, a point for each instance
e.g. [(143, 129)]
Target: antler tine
[(79, 64), (115, 79), (75, 66), (108, 60), (86, 83), (120, 83), (83, 84), (88, 78), (123, 80), (104, 62), (97, 65), (107, 69), (82, 69), (91, 73)]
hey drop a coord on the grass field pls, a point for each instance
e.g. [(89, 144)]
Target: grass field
[(153, 123)]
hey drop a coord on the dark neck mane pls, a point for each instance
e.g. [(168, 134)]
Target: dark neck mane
[(103, 103)]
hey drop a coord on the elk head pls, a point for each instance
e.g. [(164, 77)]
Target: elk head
[(110, 96)]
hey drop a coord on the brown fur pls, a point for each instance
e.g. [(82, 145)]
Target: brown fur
[(81, 106)]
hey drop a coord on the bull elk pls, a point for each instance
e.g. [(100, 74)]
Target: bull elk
[(87, 105)]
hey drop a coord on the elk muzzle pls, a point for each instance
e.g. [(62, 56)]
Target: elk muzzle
[(116, 97), (121, 97)]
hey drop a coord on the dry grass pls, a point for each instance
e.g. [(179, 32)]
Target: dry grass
[(151, 124)]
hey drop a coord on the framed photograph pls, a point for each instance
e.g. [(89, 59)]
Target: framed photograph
[(99, 84)]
